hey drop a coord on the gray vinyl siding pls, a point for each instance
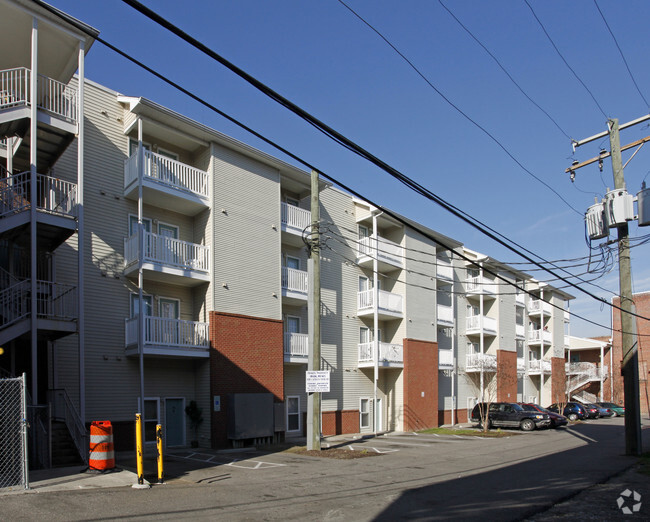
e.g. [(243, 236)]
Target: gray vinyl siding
[(420, 289), (246, 236), (506, 313)]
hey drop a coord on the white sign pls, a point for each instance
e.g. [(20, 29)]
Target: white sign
[(216, 402), (317, 382)]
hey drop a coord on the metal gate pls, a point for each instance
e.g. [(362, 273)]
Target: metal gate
[(13, 433)]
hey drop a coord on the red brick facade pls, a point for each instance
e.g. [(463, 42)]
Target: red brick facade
[(642, 303), (338, 422), (246, 356), (558, 380), (444, 416), (420, 384), (506, 376)]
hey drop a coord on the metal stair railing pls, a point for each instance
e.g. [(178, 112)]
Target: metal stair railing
[(64, 410)]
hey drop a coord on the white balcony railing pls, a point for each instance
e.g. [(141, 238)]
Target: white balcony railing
[(294, 217), (388, 352), (389, 252), (536, 306), (52, 195), (474, 323), (295, 280), (388, 302), (168, 172), (296, 344), (54, 301), (580, 374), (173, 333), (539, 366), (445, 359), (537, 336), (53, 96), (480, 285), (445, 314), (521, 365), (444, 270), (168, 251), (480, 361)]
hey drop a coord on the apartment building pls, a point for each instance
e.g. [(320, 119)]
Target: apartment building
[(149, 261), (589, 370)]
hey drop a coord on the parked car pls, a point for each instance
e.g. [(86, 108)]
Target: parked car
[(557, 420), (592, 411), (602, 412), (616, 409), (572, 411), (510, 415)]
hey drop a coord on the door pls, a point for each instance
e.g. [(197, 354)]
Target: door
[(292, 326), (175, 422), (169, 311), (168, 253), (379, 412)]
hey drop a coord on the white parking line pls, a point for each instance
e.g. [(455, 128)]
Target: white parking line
[(253, 464)]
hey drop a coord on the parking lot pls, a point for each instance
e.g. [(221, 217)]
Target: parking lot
[(432, 477)]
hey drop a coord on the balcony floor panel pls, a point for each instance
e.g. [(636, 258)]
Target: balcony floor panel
[(383, 315), (165, 196), (51, 229), (154, 351), (168, 274)]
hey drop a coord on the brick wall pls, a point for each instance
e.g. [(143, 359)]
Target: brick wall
[(558, 380), (444, 416), (246, 356), (642, 303), (420, 384), (506, 376), (341, 421)]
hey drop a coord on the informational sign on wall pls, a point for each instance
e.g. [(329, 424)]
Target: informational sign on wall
[(317, 382), (216, 402)]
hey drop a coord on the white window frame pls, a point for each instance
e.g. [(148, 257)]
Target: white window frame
[(366, 231), (184, 421), (291, 201), (161, 299), (368, 401), (297, 413), (367, 285), (287, 317)]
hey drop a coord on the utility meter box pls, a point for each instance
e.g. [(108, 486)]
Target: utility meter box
[(643, 205), (595, 221), (619, 208)]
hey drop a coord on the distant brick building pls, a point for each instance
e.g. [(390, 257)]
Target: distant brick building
[(642, 303)]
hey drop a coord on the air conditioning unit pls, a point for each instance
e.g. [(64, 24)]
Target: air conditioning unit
[(643, 206), (595, 221), (619, 208)]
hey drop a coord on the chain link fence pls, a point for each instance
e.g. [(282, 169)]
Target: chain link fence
[(13, 433)]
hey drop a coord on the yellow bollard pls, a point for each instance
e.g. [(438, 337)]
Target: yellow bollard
[(138, 447), (159, 446)]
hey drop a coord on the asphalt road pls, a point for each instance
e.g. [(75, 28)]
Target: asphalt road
[(420, 477)]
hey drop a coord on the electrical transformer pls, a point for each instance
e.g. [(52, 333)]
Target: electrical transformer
[(619, 208), (643, 205), (595, 221)]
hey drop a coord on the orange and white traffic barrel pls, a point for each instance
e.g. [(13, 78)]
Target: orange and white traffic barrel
[(102, 454)]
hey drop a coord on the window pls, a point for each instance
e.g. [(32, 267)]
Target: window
[(167, 154), (364, 284), (473, 348), (292, 324), (364, 413), (150, 417), (364, 335), (293, 262), (473, 311), (292, 201), (293, 414), (363, 232), (519, 316), (166, 230), (133, 224), (133, 146), (135, 305)]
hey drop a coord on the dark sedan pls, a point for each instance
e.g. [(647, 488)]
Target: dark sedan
[(557, 420), (592, 411), (602, 411), (572, 410)]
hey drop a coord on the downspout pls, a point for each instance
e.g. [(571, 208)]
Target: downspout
[(453, 345), (33, 196), (81, 319), (141, 307), (375, 298)]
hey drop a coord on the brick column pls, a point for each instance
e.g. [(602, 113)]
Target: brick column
[(558, 380), (246, 356), (506, 376), (420, 384)]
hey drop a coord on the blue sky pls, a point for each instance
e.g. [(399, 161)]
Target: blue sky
[(323, 58)]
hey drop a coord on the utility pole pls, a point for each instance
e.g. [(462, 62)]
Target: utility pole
[(313, 362), (630, 363)]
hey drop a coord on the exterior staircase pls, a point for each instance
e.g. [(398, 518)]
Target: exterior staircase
[(64, 451)]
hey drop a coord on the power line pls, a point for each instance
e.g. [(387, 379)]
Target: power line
[(473, 36), (622, 55), (458, 109), (564, 59), (370, 157)]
